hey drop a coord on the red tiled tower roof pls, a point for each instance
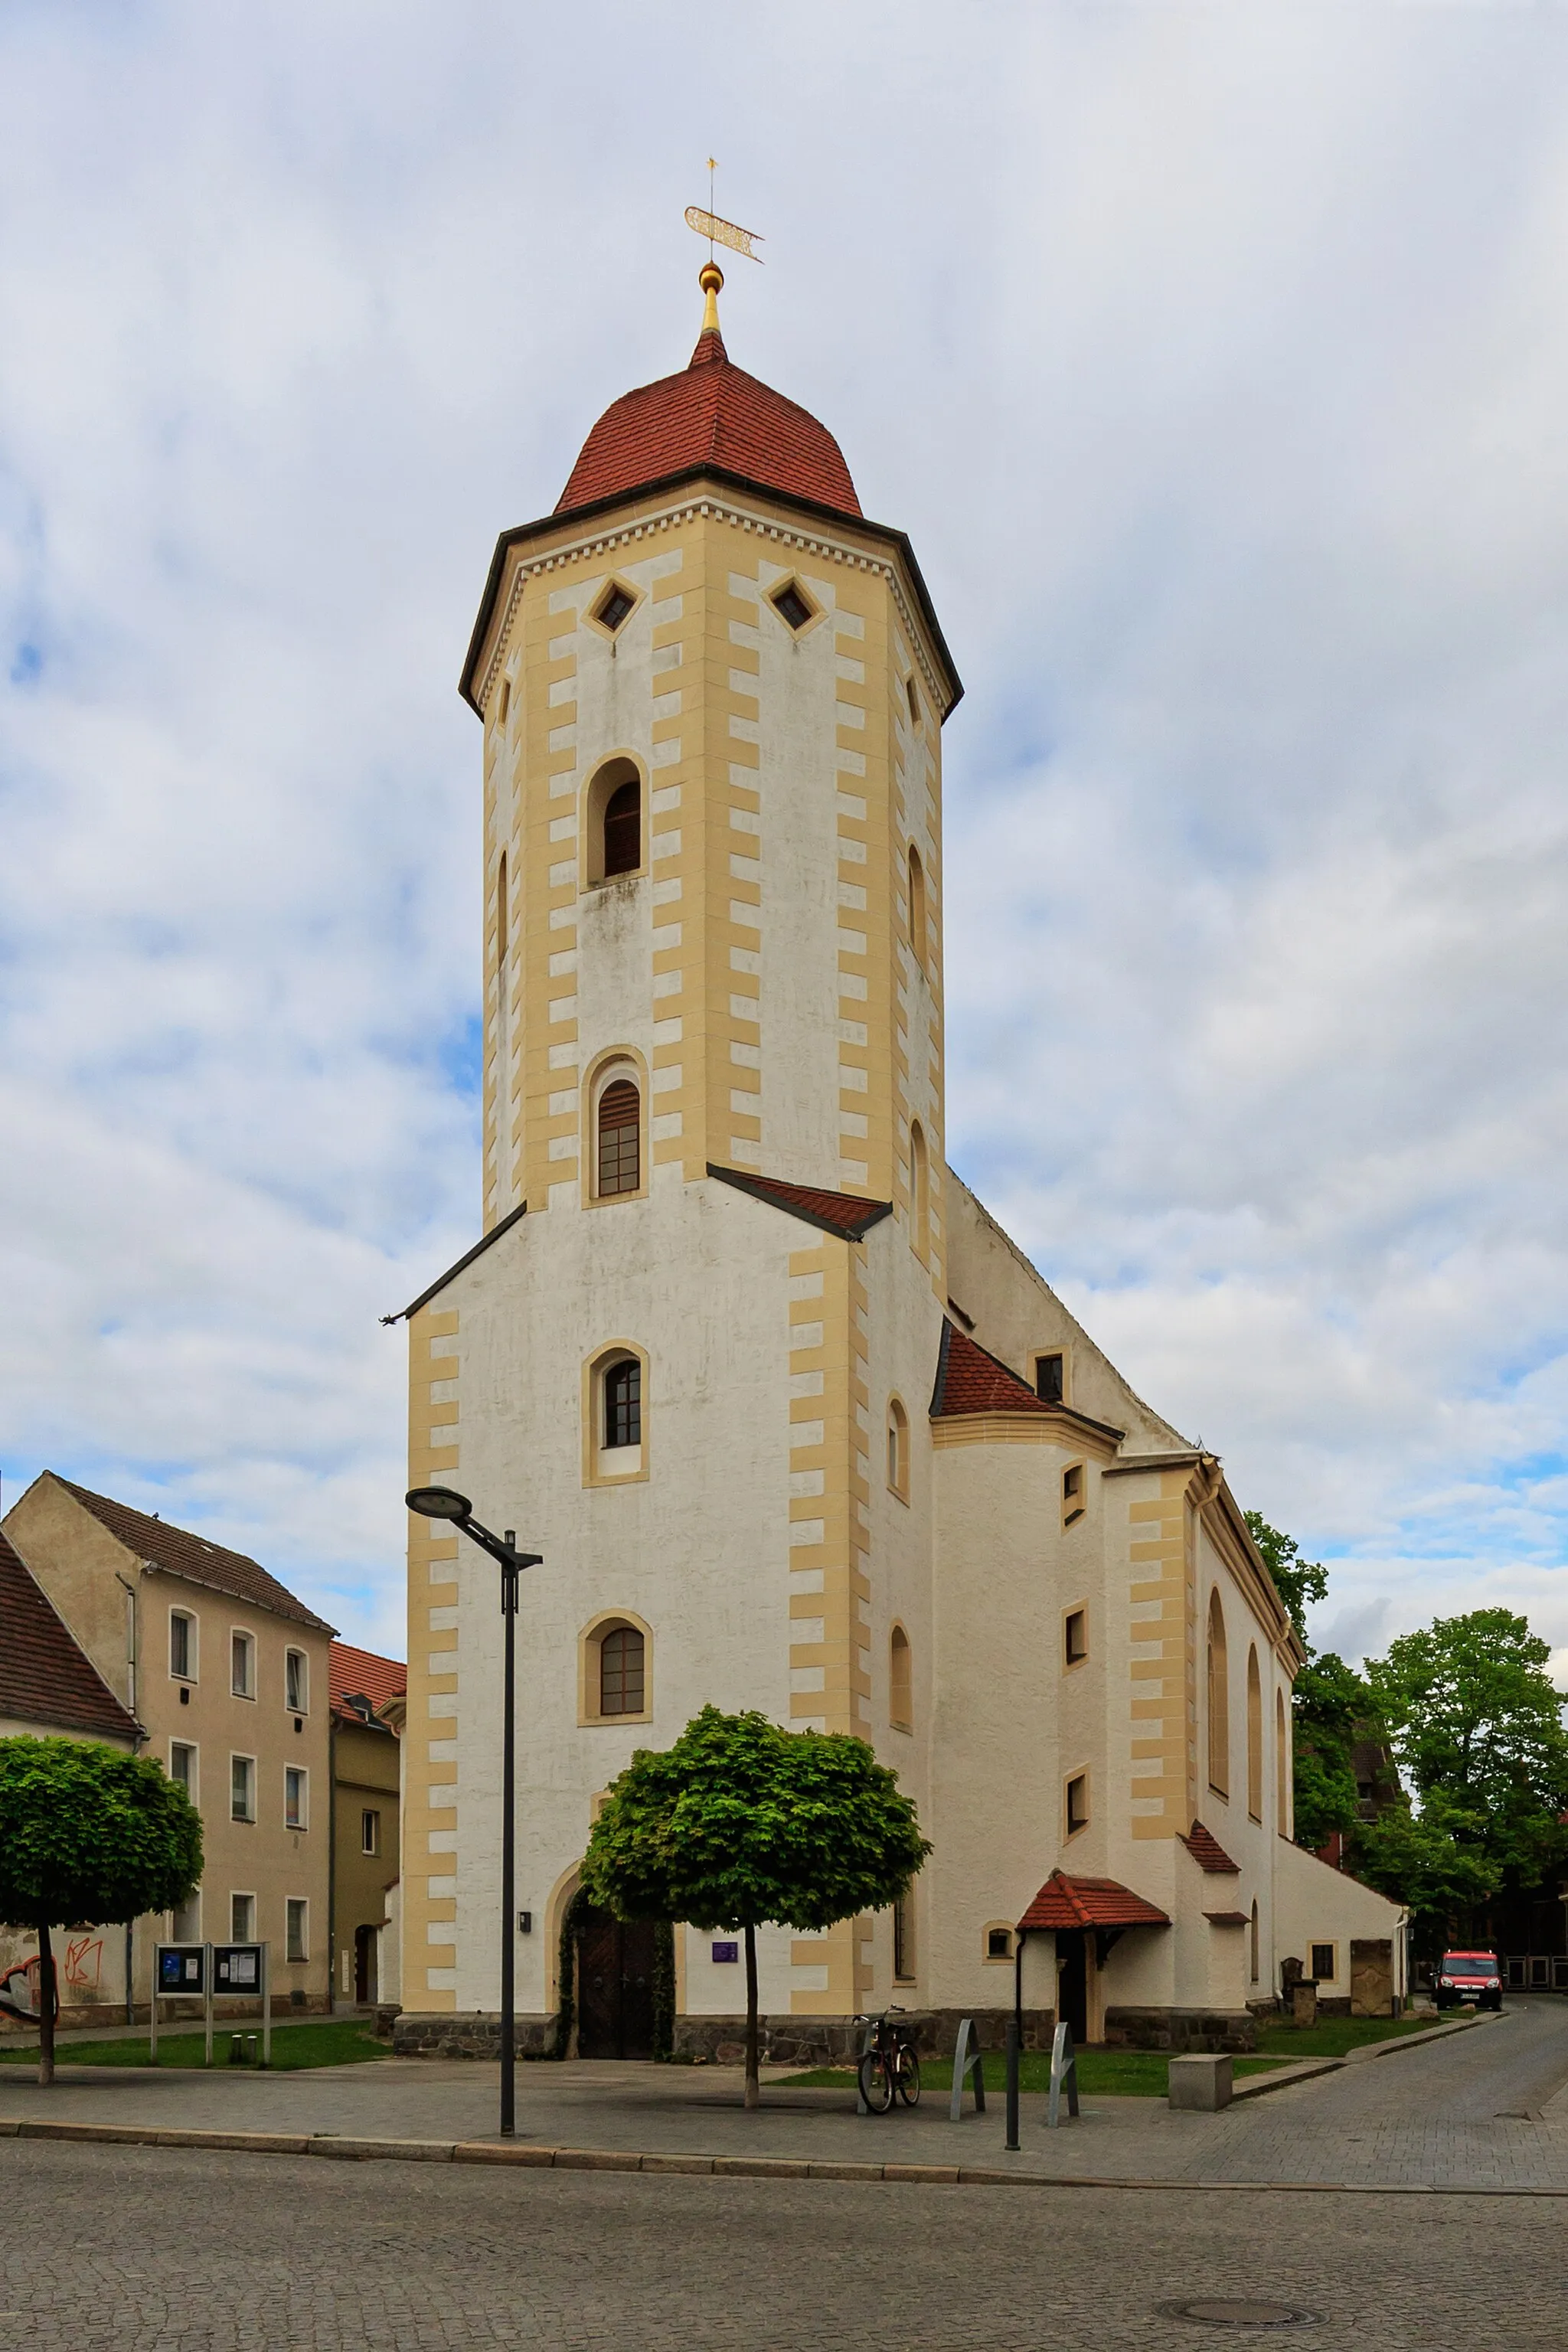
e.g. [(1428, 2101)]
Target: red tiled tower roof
[(363, 1673), (1208, 1853), (712, 414), (1067, 1903), (45, 1677)]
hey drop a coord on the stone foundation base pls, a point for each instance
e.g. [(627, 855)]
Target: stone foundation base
[(785, 2041), (1181, 2029), (468, 2033)]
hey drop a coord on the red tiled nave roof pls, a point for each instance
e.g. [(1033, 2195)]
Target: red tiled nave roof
[(1067, 1903), (45, 1677), (363, 1673), (711, 413)]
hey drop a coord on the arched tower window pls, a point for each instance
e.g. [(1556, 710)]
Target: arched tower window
[(621, 1660), (622, 1421), (1281, 1767), (920, 1190), (1254, 1737), (1219, 1701), (618, 1143), (614, 822), (503, 917), (900, 1681), (918, 942), (898, 1449)]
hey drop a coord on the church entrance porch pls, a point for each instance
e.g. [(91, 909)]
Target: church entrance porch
[(614, 1984)]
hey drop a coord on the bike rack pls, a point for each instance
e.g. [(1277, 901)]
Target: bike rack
[(860, 2107), (1063, 2076), (966, 2060)]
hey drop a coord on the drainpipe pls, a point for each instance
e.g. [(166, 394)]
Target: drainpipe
[(131, 1650)]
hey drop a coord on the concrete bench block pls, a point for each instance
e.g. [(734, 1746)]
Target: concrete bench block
[(1201, 2084)]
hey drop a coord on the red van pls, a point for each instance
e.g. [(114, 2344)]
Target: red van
[(1469, 1976)]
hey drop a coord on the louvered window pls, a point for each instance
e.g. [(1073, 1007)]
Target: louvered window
[(622, 830), (619, 1156)]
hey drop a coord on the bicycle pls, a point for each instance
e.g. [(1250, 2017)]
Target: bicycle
[(889, 2065)]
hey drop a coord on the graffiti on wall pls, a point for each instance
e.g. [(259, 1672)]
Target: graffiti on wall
[(77, 1969)]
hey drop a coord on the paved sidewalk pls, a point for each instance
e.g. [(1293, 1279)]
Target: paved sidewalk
[(1480, 2109)]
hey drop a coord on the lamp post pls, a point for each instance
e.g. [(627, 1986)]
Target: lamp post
[(445, 1503)]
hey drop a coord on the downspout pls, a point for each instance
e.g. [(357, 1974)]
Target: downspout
[(131, 1645)]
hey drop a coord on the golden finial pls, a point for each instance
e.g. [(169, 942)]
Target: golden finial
[(710, 278)]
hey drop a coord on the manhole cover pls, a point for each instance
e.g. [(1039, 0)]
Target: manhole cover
[(1238, 2311)]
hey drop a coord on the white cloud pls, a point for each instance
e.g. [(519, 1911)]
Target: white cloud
[(1215, 360)]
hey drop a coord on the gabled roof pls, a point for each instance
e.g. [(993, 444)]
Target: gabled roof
[(712, 415), (180, 1553), (1067, 1903), (45, 1676), (1207, 1851), (847, 1213), (363, 1673)]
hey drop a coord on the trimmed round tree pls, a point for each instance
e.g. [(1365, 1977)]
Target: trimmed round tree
[(88, 1832), (742, 1824)]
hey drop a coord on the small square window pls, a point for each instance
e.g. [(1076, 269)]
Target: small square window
[(369, 1832), (998, 1944), (613, 607), (1049, 1385), (1072, 1493), (1323, 1963), (1075, 1636), (1077, 1803), (792, 607), (298, 1914)]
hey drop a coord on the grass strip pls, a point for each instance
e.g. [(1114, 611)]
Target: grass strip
[(325, 2041)]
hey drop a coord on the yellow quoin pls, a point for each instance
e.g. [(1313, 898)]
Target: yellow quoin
[(792, 1424)]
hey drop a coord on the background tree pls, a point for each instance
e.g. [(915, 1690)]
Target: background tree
[(1298, 1581), (1475, 1721), (88, 1833), (1330, 1706), (1432, 1861), (742, 1824)]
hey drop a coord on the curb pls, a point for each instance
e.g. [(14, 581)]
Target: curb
[(1257, 2086), (728, 2168)]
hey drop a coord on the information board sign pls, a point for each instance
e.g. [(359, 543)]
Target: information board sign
[(237, 1967), (181, 1968)]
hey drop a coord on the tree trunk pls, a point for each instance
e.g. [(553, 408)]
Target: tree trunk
[(753, 2087), (46, 2006)]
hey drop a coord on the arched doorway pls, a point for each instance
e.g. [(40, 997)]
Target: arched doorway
[(614, 1984), (1072, 1985)]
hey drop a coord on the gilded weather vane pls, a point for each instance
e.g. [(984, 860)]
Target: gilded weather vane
[(721, 232)]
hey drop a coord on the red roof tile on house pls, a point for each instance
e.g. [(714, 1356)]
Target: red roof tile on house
[(45, 1677), (1207, 1851), (193, 1557), (969, 1380), (836, 1212), (1064, 1902), (362, 1673), (715, 415)]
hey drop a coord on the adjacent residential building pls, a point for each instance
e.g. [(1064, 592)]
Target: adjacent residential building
[(794, 1423), (50, 1689), (367, 1693), (228, 1676)]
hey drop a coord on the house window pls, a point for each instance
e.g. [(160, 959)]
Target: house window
[(898, 1449), (296, 1682), (918, 936), (186, 1922), (1323, 1967), (900, 1681), (621, 1657), (619, 1158), (791, 606), (181, 1647), (1077, 1803), (296, 1815), (242, 1787), (1074, 1503), (1075, 1636), (1218, 1701), (622, 1404), (1254, 1737), (904, 1938), (1049, 1385), (242, 1665), (998, 1943), (183, 1767), (370, 1830), (296, 1917), (622, 830), (612, 606), (242, 1919)]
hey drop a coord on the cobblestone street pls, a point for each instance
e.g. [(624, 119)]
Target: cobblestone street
[(153, 2251)]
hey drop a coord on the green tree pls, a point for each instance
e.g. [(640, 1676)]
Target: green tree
[(740, 1823), (88, 1832), (1329, 1704), (1474, 1720), (1432, 1861), (1298, 1581)]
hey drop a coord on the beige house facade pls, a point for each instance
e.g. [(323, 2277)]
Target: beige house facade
[(794, 1423), (225, 1674), (367, 1695)]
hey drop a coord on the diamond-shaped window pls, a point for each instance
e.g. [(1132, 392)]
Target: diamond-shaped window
[(791, 606), (613, 607)]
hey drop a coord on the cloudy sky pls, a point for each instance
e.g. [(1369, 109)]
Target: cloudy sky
[(1216, 359)]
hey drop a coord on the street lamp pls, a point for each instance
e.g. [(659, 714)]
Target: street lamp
[(446, 1503)]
